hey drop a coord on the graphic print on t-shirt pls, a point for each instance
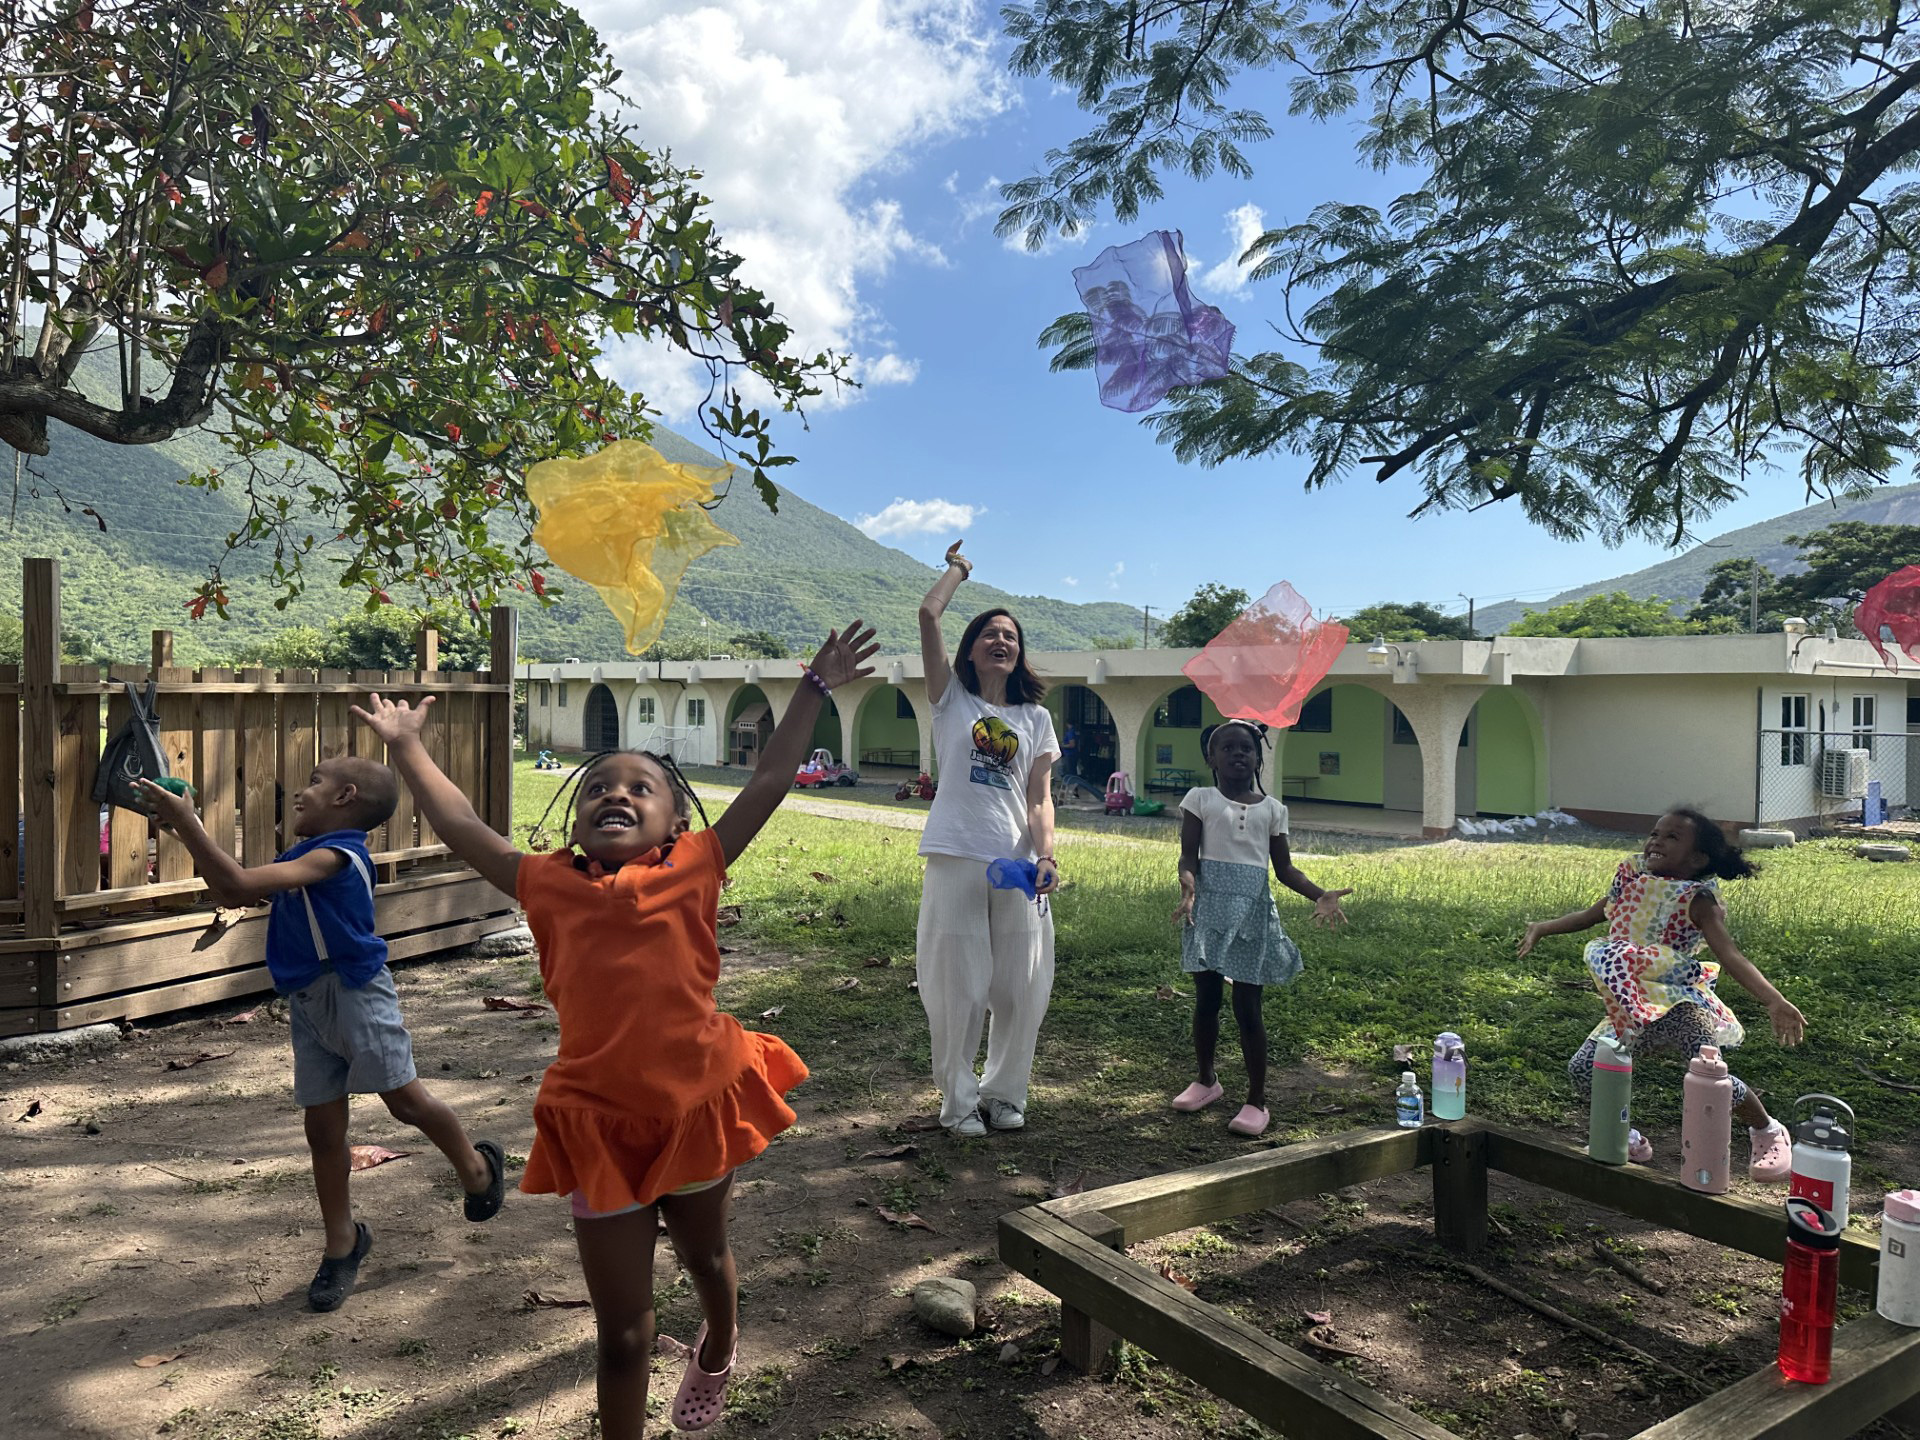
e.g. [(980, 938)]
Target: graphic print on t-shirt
[(995, 744)]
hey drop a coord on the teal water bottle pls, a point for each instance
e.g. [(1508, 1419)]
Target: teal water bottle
[(1612, 1104), (1449, 1077)]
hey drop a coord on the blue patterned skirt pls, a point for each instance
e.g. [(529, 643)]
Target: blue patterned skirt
[(1236, 928)]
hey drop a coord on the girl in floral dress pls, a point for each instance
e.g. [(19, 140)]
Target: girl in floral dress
[(1662, 910)]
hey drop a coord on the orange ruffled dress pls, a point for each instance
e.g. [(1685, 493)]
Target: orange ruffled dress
[(654, 1088)]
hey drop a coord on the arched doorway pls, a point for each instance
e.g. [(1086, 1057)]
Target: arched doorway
[(601, 723), (1170, 758), (749, 726), (1403, 779), (1093, 729), (1335, 753), (1510, 776), (886, 732)]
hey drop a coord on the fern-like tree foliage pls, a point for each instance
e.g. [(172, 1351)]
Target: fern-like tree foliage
[(1650, 245), (380, 247)]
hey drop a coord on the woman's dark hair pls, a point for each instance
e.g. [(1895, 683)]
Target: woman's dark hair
[(684, 800), (1259, 733), (1024, 687), (1724, 858)]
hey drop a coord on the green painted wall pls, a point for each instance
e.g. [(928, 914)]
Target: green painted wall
[(879, 728), (1509, 777), (826, 733), (1185, 744), (1359, 736)]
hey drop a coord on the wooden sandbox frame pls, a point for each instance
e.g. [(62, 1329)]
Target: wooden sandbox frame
[(1072, 1247)]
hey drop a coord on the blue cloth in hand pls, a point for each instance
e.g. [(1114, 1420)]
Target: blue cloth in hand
[(1021, 875)]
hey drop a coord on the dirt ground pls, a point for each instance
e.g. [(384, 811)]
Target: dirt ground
[(164, 1215)]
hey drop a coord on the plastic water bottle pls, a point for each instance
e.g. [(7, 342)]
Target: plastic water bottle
[(1408, 1109), (1899, 1297), (1706, 1123), (1612, 1104), (1449, 1077), (1822, 1166), (1808, 1286)]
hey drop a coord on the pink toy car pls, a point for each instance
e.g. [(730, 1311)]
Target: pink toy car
[(821, 770), (1119, 794)]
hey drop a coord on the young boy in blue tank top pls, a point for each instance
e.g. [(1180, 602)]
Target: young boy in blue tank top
[(326, 957)]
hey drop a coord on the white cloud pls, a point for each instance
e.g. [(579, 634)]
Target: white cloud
[(888, 369), (919, 517), (1245, 224), (1113, 575), (1071, 581), (795, 112)]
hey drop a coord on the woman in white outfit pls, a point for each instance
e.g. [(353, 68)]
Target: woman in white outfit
[(985, 954)]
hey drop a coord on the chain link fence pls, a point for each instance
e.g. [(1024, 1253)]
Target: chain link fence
[(1812, 779)]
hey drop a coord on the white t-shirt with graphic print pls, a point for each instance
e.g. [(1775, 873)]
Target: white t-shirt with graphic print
[(986, 753)]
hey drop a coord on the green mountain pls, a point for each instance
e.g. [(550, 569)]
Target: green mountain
[(1682, 578), (133, 540)]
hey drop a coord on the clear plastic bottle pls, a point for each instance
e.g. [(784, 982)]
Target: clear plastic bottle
[(1408, 1109)]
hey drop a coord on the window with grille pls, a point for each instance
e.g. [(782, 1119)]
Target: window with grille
[(643, 710), (696, 713), (1793, 729), (546, 693), (1316, 716), (563, 694)]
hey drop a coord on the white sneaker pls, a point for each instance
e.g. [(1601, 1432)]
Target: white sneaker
[(971, 1126), (1004, 1114)]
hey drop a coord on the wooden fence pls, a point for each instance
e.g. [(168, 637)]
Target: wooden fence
[(94, 929)]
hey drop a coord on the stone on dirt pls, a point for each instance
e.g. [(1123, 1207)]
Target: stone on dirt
[(61, 1044), (517, 941), (947, 1305)]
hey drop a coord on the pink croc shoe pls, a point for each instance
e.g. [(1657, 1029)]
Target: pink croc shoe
[(1197, 1097), (1772, 1153), (1639, 1148), (703, 1393), (1251, 1120)]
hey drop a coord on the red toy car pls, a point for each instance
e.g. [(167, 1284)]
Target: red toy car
[(822, 769)]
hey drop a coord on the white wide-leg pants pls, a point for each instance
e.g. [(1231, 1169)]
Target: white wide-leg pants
[(986, 955)]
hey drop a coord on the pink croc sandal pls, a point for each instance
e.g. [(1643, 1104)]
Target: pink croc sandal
[(1639, 1148), (703, 1393), (1772, 1153), (1197, 1097), (1250, 1121)]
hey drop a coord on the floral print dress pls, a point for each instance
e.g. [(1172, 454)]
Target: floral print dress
[(1647, 966)]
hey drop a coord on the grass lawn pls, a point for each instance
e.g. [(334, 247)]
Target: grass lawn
[(1430, 948)]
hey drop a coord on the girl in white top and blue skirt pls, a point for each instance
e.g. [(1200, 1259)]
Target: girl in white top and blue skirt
[(985, 954), (1230, 832)]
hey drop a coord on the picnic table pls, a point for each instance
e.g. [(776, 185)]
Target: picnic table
[(1296, 784), (1171, 777)]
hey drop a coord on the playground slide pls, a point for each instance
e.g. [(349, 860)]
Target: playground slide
[(1077, 785)]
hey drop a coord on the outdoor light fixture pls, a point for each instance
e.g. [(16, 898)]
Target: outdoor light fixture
[(897, 673), (1794, 625), (1380, 653)]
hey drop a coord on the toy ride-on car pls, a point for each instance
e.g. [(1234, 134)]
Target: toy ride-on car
[(822, 769), (1119, 799)]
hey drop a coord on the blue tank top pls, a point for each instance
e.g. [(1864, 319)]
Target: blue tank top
[(327, 926)]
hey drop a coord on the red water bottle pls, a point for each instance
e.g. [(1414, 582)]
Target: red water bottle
[(1807, 1290)]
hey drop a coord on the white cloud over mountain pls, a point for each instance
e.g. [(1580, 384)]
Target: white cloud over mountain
[(904, 518)]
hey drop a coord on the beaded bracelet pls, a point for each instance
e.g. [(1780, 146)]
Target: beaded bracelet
[(823, 687)]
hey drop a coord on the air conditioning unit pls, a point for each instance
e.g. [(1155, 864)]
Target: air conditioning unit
[(1843, 774)]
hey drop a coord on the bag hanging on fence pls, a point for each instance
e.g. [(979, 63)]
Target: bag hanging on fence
[(133, 753)]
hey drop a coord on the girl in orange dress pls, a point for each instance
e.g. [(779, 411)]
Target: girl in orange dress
[(656, 1096)]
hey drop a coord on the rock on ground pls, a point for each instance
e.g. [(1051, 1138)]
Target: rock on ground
[(947, 1305)]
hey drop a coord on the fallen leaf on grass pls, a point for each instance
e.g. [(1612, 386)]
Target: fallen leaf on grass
[(1167, 1272), (365, 1157), (534, 1300), (879, 962), (245, 1017), (1316, 1317), (1316, 1341), (507, 1002), (822, 877), (845, 983), (909, 1221), (805, 917), (1403, 1054), (187, 1062), (147, 1362), (729, 915), (1050, 1364), (773, 1014), (1329, 1110), (1166, 992), (918, 1125), (32, 1110), (662, 1344), (895, 1152)]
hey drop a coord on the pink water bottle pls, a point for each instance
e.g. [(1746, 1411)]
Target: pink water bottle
[(1706, 1123)]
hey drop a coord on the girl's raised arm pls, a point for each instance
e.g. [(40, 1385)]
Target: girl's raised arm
[(933, 646), (1710, 919), (1568, 924), (447, 809), (842, 659)]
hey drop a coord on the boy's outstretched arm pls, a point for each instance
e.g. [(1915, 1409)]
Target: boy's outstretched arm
[(228, 881), (841, 659), (448, 810)]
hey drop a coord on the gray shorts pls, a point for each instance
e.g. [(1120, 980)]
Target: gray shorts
[(348, 1042)]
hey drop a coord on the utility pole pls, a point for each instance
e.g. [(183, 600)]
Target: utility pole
[(1146, 627), (1753, 595), (1469, 599)]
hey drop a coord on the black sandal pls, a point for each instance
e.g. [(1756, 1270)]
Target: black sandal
[(485, 1204), (333, 1281)]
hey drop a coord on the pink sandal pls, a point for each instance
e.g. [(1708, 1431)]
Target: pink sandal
[(1251, 1120), (1197, 1097), (703, 1393)]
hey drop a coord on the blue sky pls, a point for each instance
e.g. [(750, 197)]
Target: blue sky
[(851, 151)]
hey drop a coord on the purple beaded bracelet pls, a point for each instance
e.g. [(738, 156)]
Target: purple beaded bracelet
[(824, 688)]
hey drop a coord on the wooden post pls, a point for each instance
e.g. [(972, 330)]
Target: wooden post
[(216, 761), (171, 859), (10, 783), (499, 719), (260, 766), (132, 837), (427, 649), (1460, 1189), (1085, 1343), (40, 668), (76, 761)]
